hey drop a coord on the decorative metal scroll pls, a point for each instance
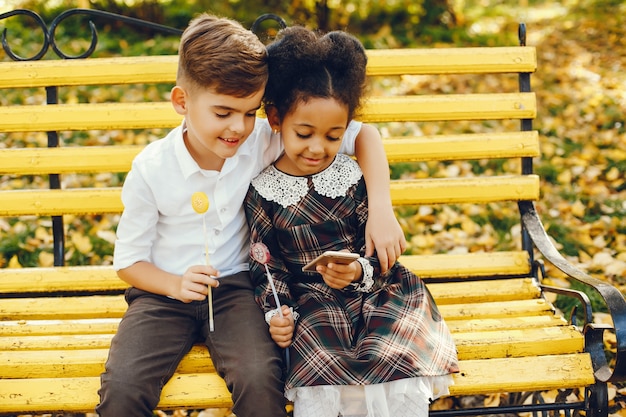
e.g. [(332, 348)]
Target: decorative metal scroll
[(50, 33)]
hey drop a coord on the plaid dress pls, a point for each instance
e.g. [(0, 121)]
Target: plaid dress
[(342, 337)]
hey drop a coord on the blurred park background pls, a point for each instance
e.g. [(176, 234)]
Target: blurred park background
[(580, 86)]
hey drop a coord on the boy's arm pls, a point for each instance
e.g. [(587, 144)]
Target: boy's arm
[(191, 286), (384, 233), (136, 232)]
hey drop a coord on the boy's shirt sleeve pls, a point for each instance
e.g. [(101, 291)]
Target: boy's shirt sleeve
[(270, 144), (348, 145), (136, 231)]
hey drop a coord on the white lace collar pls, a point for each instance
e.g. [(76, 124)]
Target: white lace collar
[(286, 190)]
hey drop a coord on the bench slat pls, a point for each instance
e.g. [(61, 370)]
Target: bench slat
[(71, 363), (92, 71), (157, 69), (114, 306), (71, 356), (71, 159), (464, 146), (49, 308), (475, 342), (451, 60), (467, 265), (499, 309), (450, 107), (519, 342), (104, 278), (118, 158), (443, 292), (27, 328), (119, 116), (403, 192), (59, 279), (59, 202), (81, 394), (484, 291), (23, 329), (42, 344), (505, 323), (465, 190), (520, 374), (102, 116), (209, 390)]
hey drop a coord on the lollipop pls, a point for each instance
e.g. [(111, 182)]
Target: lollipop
[(261, 254), (200, 204)]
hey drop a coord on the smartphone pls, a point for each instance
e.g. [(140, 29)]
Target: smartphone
[(331, 256)]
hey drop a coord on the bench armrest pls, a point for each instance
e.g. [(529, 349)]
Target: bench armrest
[(613, 298)]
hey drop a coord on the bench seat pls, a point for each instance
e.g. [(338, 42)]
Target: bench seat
[(206, 390)]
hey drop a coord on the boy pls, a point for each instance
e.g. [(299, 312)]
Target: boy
[(160, 245)]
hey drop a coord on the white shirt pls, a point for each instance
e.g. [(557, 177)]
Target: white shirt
[(160, 226)]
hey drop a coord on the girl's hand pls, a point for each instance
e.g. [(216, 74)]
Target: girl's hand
[(282, 328), (384, 234), (339, 276), (195, 282)]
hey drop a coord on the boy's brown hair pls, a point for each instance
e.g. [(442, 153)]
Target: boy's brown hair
[(219, 53)]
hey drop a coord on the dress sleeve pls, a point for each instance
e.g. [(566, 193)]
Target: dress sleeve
[(259, 216)]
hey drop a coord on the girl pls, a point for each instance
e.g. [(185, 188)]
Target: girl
[(361, 342)]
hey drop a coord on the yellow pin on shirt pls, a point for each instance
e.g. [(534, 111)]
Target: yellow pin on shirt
[(200, 204)]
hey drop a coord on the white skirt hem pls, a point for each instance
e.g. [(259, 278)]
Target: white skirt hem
[(376, 400)]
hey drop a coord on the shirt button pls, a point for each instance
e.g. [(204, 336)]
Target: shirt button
[(217, 232), (223, 210)]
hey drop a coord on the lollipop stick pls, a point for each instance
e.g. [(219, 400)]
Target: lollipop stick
[(210, 293), (280, 311), (269, 278)]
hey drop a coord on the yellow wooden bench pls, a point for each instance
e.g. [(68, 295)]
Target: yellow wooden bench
[(56, 322)]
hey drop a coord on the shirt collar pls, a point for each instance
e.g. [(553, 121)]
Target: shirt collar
[(188, 166)]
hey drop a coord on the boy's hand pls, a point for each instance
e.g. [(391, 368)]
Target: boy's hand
[(339, 276), (195, 281), (384, 234), (282, 328)]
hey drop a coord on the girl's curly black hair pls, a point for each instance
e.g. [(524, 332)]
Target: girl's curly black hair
[(304, 64)]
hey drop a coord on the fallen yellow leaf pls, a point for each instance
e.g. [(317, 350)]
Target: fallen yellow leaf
[(46, 259), (14, 262), (82, 243)]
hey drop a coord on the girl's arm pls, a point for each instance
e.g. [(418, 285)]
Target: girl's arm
[(383, 232)]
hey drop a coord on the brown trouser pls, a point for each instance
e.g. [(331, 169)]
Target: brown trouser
[(156, 332)]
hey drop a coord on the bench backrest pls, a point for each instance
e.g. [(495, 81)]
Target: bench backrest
[(437, 170)]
